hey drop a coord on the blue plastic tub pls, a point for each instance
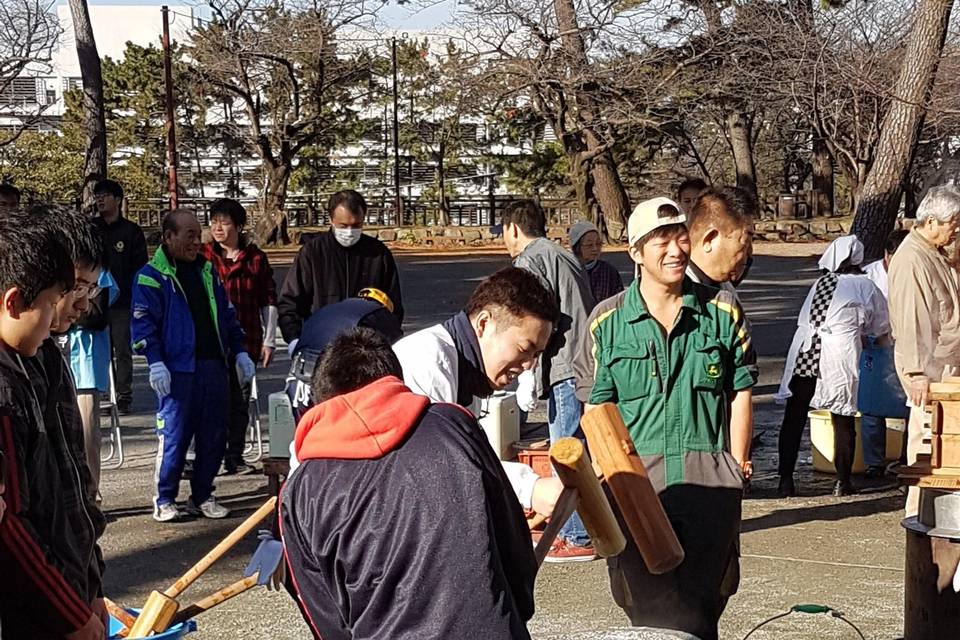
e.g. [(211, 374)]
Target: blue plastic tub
[(174, 632)]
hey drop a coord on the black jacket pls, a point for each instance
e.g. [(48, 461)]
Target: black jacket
[(126, 252), (325, 272), (400, 523), (49, 556)]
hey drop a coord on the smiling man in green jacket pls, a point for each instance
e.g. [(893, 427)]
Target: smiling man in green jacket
[(675, 356)]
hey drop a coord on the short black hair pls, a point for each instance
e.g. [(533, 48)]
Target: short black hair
[(78, 234), (351, 200), (724, 208), (230, 208), (894, 240), (528, 216), (691, 183), (7, 189), (515, 291), (31, 258), (351, 361), (108, 186)]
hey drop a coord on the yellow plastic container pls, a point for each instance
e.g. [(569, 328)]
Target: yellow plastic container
[(821, 439)]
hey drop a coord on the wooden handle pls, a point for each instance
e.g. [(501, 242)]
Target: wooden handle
[(217, 552), (627, 478), (537, 520), (214, 599), (123, 616), (574, 468), (562, 510)]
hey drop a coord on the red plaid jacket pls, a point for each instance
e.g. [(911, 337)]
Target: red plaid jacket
[(250, 287)]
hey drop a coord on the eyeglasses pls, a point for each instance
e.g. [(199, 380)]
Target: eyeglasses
[(89, 290)]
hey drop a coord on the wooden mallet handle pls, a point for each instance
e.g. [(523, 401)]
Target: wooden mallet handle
[(573, 467), (123, 616), (627, 478), (214, 599), (194, 572)]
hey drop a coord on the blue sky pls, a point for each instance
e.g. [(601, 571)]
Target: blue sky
[(393, 16)]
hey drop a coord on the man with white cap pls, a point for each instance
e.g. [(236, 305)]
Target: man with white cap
[(823, 363), (676, 358), (587, 245)]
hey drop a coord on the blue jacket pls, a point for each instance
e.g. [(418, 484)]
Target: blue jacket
[(161, 327), (90, 350)]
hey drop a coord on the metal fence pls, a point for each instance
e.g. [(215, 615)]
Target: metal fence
[(311, 211)]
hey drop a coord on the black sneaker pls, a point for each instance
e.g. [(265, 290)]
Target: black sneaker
[(875, 471), (841, 488), (237, 468), (123, 407)]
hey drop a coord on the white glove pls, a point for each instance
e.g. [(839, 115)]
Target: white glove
[(245, 368), (527, 391), (292, 346), (160, 379)]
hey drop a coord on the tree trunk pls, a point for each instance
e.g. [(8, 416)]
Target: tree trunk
[(878, 205), (740, 133), (608, 191), (272, 222), (582, 192), (94, 123), (821, 163), (444, 206)]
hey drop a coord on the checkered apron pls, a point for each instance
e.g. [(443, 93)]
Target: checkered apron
[(808, 362)]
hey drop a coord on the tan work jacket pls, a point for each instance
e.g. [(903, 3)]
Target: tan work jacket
[(924, 309)]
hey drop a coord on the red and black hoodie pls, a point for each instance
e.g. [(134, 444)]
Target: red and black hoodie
[(400, 523), (49, 556)]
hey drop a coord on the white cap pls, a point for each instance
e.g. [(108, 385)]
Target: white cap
[(652, 214)]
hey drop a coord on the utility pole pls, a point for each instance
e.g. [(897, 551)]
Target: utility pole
[(170, 126), (398, 200)]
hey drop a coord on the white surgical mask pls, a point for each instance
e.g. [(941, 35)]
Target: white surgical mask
[(347, 237)]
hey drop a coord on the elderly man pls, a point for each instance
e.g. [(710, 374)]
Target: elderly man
[(187, 329), (925, 310)]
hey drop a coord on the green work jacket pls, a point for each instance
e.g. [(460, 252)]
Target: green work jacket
[(673, 390)]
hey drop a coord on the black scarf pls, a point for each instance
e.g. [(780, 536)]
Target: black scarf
[(471, 378)]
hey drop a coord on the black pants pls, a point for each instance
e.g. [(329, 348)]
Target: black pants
[(802, 389), (691, 597), (239, 420)]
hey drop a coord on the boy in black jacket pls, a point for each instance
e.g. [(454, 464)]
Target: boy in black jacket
[(48, 552), (374, 519)]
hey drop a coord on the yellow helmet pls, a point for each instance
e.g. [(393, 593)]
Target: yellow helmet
[(371, 293)]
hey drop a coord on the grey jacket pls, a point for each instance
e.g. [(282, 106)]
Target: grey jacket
[(561, 272)]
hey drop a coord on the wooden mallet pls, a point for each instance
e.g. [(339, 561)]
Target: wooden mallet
[(160, 608), (582, 493), (624, 473)]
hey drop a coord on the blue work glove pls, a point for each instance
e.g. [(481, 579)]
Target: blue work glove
[(292, 346), (268, 561), (160, 379), (245, 369)]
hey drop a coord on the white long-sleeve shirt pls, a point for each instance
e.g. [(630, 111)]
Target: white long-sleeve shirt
[(429, 360)]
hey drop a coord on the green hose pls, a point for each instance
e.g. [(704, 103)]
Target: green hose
[(807, 608)]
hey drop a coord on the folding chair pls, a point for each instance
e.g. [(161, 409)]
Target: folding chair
[(111, 442), (253, 451)]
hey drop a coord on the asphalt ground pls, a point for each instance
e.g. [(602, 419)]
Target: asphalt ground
[(842, 552)]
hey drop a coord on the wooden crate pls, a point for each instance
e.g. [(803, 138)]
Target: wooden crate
[(946, 417), (945, 452)]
